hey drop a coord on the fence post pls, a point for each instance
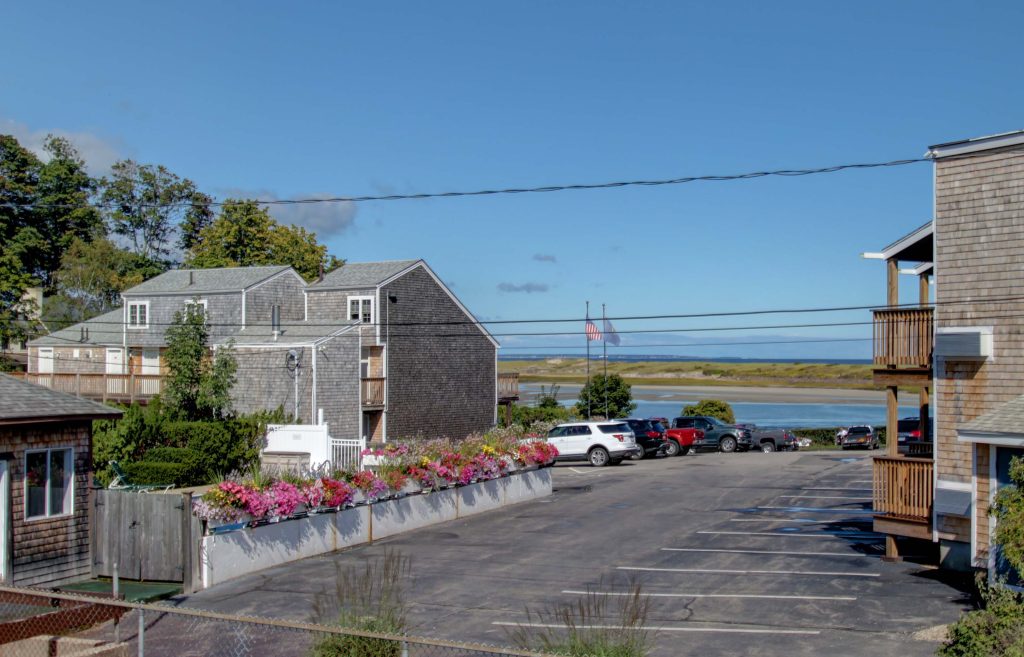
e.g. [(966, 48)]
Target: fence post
[(117, 596), (142, 633)]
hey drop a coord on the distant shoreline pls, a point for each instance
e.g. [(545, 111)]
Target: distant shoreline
[(735, 393)]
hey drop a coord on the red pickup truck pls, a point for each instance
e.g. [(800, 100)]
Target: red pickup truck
[(679, 441)]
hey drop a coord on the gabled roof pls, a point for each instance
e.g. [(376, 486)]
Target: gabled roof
[(22, 402), (206, 281), (975, 144), (916, 246), (362, 274), (103, 330), (1005, 419)]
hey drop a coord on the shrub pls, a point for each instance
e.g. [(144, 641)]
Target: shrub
[(997, 630), (125, 440), (711, 408), (193, 472), (145, 472)]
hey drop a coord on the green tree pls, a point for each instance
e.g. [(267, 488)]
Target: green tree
[(17, 312), (711, 408), (1009, 510), (245, 234), (90, 280), (198, 384), (601, 394), (145, 204)]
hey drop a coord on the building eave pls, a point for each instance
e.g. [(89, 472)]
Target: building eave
[(974, 145)]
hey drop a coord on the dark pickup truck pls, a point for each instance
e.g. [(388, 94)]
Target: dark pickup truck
[(774, 440), (717, 434)]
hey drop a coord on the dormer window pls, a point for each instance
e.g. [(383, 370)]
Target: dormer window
[(138, 315), (360, 309)]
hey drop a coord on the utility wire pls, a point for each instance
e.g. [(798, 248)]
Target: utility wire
[(516, 190)]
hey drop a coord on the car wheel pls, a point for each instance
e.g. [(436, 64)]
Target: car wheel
[(672, 448), (727, 444), (767, 447), (639, 456), (598, 457)]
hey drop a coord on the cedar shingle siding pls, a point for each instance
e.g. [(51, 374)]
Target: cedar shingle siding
[(284, 291), (441, 378), (979, 242)]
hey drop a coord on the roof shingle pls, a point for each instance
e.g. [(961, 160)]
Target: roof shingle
[(21, 401), (362, 274), (187, 281)]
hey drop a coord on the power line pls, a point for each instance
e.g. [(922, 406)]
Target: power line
[(702, 344), (518, 190)]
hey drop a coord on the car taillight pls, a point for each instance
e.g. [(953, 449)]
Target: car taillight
[(916, 433), (619, 437), (653, 434)]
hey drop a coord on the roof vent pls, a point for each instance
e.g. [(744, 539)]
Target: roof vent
[(191, 277), (275, 321)]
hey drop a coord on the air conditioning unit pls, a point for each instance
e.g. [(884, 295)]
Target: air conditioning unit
[(964, 343)]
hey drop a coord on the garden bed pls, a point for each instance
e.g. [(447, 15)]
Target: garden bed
[(226, 555)]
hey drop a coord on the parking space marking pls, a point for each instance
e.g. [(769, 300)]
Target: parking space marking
[(730, 571), (815, 509), (800, 534), (827, 497), (662, 628), (788, 553), (835, 488), (753, 596), (807, 520)]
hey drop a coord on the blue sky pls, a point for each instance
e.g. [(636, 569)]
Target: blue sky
[(328, 98)]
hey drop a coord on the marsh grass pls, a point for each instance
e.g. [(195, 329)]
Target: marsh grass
[(370, 598), (594, 625)]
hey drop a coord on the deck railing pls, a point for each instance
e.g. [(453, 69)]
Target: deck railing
[(508, 385), (903, 487), (904, 337), (115, 387), (373, 391)]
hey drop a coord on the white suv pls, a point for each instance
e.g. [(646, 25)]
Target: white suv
[(600, 443)]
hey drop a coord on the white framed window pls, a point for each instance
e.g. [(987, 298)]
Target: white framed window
[(138, 314), (197, 302), (49, 477), (360, 309)]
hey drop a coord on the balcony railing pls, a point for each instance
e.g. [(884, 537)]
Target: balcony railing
[(904, 337), (508, 385), (104, 387), (373, 391), (903, 487)]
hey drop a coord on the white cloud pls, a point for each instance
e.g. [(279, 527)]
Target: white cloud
[(99, 153), (324, 219), (545, 257), (528, 288)]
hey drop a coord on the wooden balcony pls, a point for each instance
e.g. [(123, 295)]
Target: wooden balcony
[(508, 387), (102, 387), (373, 392), (903, 496), (903, 343)]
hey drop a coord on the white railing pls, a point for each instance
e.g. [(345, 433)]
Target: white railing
[(347, 453)]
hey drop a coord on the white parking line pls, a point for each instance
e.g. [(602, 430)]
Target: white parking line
[(754, 596), (836, 488), (662, 628), (788, 553), (838, 534), (808, 520), (815, 509), (826, 497), (729, 571)]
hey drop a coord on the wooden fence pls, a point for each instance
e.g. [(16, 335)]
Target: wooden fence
[(150, 536), (373, 391), (102, 387), (508, 385), (903, 487), (903, 337)]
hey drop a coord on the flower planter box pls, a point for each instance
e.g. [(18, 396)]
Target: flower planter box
[(230, 554)]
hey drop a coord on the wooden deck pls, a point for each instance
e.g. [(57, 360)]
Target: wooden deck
[(508, 387), (903, 496), (904, 337), (101, 387)]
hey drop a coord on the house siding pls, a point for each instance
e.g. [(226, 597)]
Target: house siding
[(223, 313), (285, 291), (441, 378), (337, 381), (55, 550), (979, 242), (89, 359), (982, 521), (265, 383)]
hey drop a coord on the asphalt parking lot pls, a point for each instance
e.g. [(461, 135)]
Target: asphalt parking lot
[(743, 554)]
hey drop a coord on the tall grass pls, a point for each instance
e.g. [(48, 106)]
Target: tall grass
[(594, 625), (370, 598)]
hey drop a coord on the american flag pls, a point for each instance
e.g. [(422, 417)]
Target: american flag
[(592, 331)]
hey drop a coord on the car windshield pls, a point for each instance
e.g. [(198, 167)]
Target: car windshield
[(613, 428), (715, 421), (658, 426)]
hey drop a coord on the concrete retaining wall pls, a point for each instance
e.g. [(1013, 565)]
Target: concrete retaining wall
[(234, 554)]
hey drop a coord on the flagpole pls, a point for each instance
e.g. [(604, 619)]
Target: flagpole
[(587, 338), (604, 345)]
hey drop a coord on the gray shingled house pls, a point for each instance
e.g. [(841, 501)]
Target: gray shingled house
[(45, 479), (321, 351)]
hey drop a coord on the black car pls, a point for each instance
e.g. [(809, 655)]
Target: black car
[(910, 439), (650, 437)]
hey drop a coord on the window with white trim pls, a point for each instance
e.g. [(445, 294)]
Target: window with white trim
[(138, 315), (360, 309), (49, 474), (198, 304)]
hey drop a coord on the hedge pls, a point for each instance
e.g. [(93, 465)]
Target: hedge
[(160, 474), (827, 435)]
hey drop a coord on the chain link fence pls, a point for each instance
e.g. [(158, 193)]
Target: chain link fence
[(38, 623)]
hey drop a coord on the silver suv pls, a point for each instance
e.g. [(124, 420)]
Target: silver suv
[(600, 443)]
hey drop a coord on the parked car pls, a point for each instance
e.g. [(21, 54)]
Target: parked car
[(650, 437), (717, 434), (600, 443), (682, 440), (775, 440), (909, 438), (860, 436)]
